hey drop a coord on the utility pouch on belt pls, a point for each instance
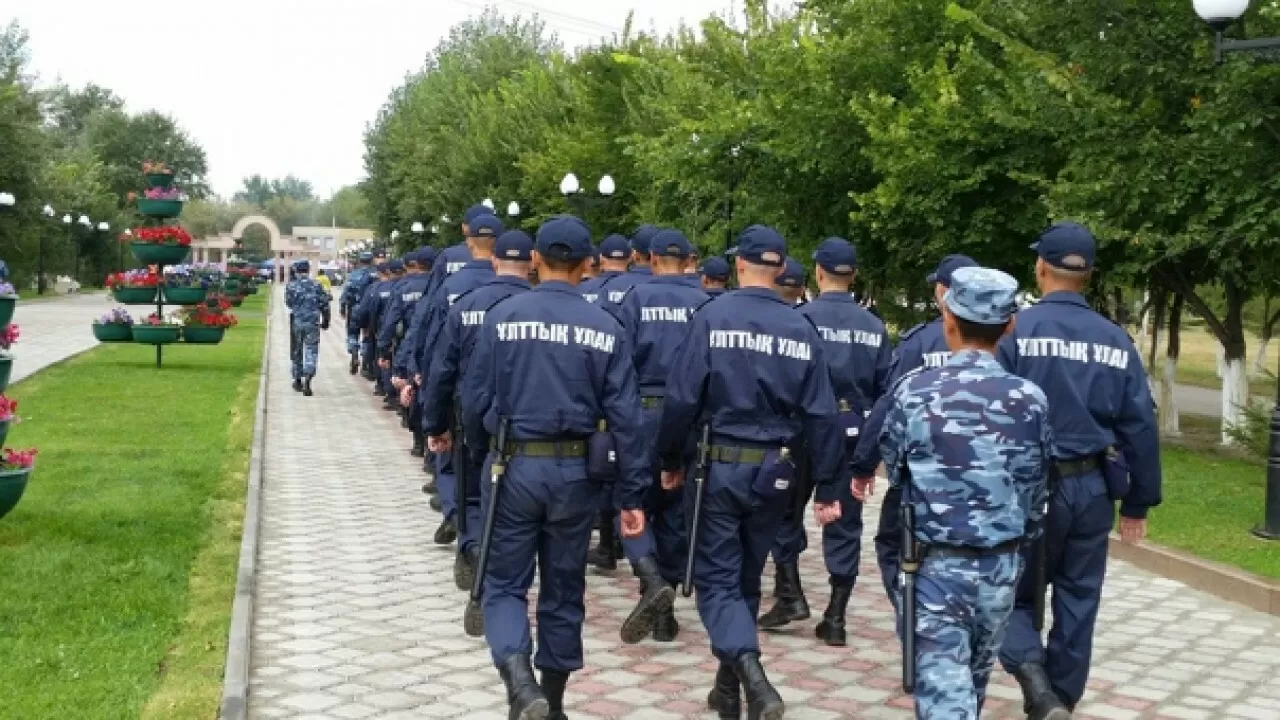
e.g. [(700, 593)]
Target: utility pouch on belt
[(850, 421), (777, 473), (602, 455), (1115, 470)]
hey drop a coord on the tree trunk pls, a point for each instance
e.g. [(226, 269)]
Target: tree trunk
[(1145, 322), (1268, 327), (1159, 303), (1121, 312), (1168, 407), (1235, 381)]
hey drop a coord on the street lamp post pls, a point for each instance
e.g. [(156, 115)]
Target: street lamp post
[(1219, 15), (125, 237), (49, 214), (87, 224), (580, 201)]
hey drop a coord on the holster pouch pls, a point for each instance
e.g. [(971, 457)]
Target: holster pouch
[(850, 420), (602, 457), (1115, 471), (776, 475)]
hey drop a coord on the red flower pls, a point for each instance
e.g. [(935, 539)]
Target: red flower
[(167, 235)]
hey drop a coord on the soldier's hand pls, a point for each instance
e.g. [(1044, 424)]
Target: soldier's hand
[(1132, 531), (632, 523), (406, 396), (397, 383), (672, 479), (417, 379), (826, 513), (863, 488), (384, 364), (440, 443)]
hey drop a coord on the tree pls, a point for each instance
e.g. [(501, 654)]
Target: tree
[(292, 188), (124, 142), (257, 191)]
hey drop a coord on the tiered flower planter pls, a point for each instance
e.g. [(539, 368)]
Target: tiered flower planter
[(112, 332), (15, 468), (12, 484)]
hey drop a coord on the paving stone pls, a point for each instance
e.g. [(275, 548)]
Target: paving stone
[(357, 615)]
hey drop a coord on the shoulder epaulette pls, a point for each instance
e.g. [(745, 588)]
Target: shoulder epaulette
[(911, 332)]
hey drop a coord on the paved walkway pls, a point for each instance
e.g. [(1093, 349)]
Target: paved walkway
[(53, 330), (358, 617)]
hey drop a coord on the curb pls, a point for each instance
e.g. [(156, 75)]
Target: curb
[(235, 680), (1221, 581)]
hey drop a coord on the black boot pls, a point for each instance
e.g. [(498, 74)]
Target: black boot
[(602, 555), (419, 445), (436, 504), (1040, 702), (473, 619), (831, 629), (665, 626), (553, 682), (791, 605), (725, 699), (656, 597), (523, 694), (446, 533), (355, 363), (777, 580), (429, 487), (306, 386), (297, 384), (763, 702), (464, 567)]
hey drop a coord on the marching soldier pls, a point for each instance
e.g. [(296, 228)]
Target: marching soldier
[(969, 446), (547, 370), (352, 291), (404, 298), (790, 283), (309, 306), (656, 316), (715, 276), (752, 373), (364, 315), (615, 254), (1106, 450)]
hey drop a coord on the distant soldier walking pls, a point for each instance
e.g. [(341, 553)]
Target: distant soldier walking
[(309, 304)]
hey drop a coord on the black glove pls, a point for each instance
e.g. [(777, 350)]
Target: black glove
[(324, 319)]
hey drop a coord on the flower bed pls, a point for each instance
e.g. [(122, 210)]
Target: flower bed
[(15, 470), (115, 326), (133, 287), (164, 245)]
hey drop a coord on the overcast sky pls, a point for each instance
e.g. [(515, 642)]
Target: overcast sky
[(281, 86)]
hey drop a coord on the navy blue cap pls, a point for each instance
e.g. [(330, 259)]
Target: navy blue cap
[(836, 255), (949, 264), (792, 274), (714, 268), (642, 237), (564, 237), (474, 212), (411, 257), (486, 226), (761, 245), (302, 266), (382, 267), (615, 247), (514, 245), (396, 266), (670, 243), (1067, 245), (366, 257), (426, 255)]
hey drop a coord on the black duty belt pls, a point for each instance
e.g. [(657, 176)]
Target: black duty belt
[(963, 551), (1072, 468), (548, 448), (651, 402), (736, 454)]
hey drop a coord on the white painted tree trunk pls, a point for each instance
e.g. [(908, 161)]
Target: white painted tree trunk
[(1169, 426), (1235, 396), (1260, 361), (1222, 361), (1145, 325)]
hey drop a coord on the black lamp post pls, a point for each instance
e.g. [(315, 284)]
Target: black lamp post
[(49, 213), (579, 200), (1220, 14)]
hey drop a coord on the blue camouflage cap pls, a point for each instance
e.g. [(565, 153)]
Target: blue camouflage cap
[(302, 266), (761, 245), (670, 243), (486, 226), (396, 266), (949, 265), (615, 247), (642, 238), (792, 274), (474, 212), (714, 268), (366, 257), (564, 237), (836, 255), (1067, 245), (982, 295), (426, 255), (514, 245)]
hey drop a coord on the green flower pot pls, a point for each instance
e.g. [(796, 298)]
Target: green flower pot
[(114, 332), (156, 334), (237, 263), (135, 295), (200, 335), (7, 306), (237, 301), (159, 208), (160, 180), (157, 254), (184, 295), (12, 484), (6, 370)]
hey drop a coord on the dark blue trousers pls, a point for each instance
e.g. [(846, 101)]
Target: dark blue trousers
[(543, 519), (842, 539), (664, 535), (736, 531), (889, 542), (447, 483), (1080, 518), (475, 517), (792, 538)]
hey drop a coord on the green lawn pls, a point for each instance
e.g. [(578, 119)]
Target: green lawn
[(118, 566), (1211, 500)]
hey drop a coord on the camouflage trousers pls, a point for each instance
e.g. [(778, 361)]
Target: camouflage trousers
[(963, 606), (305, 349)]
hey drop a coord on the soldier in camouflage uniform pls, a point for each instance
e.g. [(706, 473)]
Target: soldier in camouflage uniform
[(969, 444), (360, 278), (309, 305)]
